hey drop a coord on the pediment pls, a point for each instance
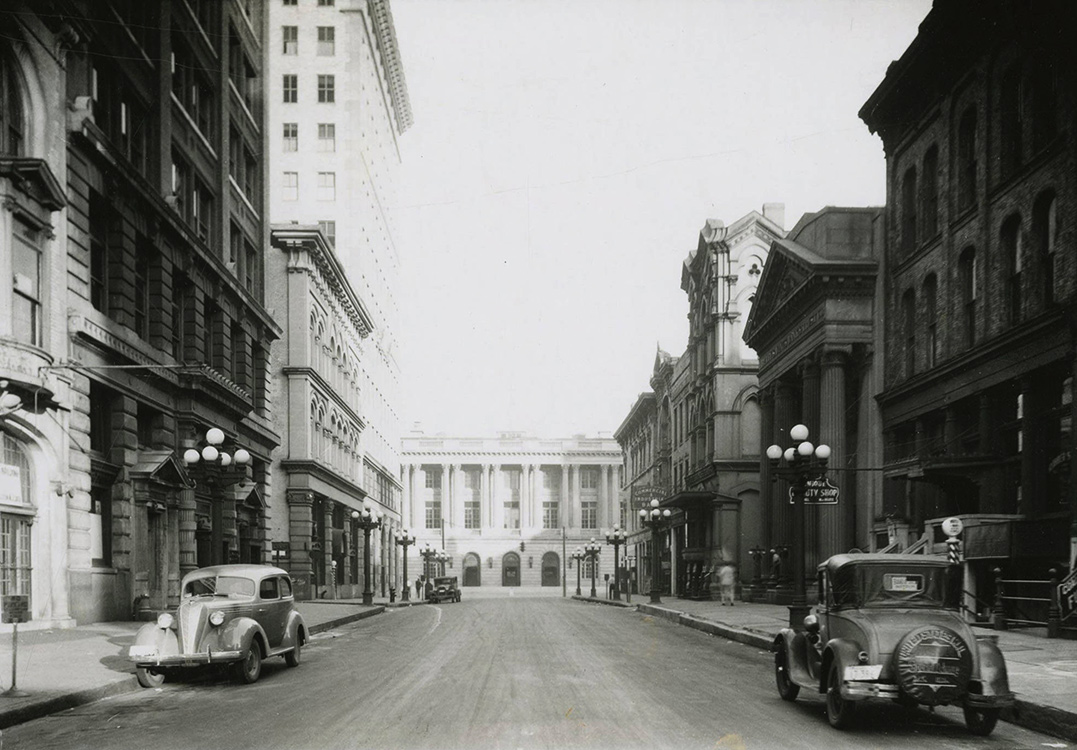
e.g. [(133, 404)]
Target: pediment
[(160, 467), (783, 275), (253, 499), (34, 178)]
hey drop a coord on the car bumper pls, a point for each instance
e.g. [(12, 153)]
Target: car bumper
[(857, 690), (184, 660), (974, 700)]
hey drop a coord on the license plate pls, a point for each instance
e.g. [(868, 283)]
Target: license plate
[(864, 672), (141, 652)]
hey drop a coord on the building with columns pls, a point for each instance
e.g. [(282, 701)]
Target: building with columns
[(511, 509), (815, 326)]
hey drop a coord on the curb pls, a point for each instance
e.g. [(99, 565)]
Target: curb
[(330, 624), (607, 602), (749, 637)]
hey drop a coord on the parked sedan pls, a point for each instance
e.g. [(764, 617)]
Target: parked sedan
[(888, 626), (229, 615)]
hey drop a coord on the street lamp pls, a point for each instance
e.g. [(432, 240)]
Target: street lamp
[(428, 553), (799, 465), (591, 551), (218, 469), (616, 538), (213, 455), (654, 519), (442, 558), (404, 538), (368, 520), (578, 556), (10, 401)]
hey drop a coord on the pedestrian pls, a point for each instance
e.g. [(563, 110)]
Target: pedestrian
[(727, 580), (418, 587)]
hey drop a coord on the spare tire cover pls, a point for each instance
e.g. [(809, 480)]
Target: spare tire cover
[(933, 665)]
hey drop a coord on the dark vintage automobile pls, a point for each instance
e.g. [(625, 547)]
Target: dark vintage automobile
[(445, 589), (231, 615), (888, 626)]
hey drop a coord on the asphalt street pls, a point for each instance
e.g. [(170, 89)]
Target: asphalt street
[(500, 672)]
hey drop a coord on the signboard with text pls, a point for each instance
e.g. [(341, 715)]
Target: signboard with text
[(10, 485), (15, 608), (1067, 595), (817, 492), (642, 495)]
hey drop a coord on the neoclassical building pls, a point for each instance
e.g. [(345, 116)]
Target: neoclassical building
[(508, 508), (815, 326)]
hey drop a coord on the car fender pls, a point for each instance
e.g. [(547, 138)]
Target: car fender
[(295, 631), (163, 639), (240, 633), (841, 651), (994, 679), (796, 645)]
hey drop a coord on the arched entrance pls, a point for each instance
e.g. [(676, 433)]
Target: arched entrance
[(472, 570), (510, 569), (551, 569)]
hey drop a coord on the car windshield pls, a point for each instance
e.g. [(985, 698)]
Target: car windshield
[(219, 586), (891, 585)]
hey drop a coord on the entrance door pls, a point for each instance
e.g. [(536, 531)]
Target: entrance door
[(510, 570), (551, 569), (472, 570)]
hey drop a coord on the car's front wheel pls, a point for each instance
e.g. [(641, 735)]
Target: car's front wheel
[(981, 721), (839, 711), (787, 689), (249, 668), (149, 678)]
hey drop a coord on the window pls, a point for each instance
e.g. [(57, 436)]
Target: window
[(326, 41), (929, 194), (327, 186), (908, 311), (966, 267), (1010, 122), (472, 519), (11, 114), (182, 291), (291, 186), (15, 555), (142, 291), (512, 501), (433, 514), (908, 211), (250, 268), (1010, 241), (931, 285), (1044, 105), (239, 364), (588, 479), (250, 174), (291, 88), (192, 88), (290, 37), (326, 89), (290, 2), (269, 589), (241, 72), (99, 220), (26, 301), (1045, 232), (327, 136), (966, 160), (329, 229), (101, 505), (588, 514), (201, 218), (291, 136), (326, 3), (147, 421), (550, 519), (101, 399)]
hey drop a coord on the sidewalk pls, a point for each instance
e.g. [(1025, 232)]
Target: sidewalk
[(1042, 671), (60, 669)]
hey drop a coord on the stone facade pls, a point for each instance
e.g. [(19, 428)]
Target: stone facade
[(510, 510), (979, 285)]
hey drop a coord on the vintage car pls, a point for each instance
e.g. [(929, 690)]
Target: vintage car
[(888, 626), (445, 589), (234, 615)]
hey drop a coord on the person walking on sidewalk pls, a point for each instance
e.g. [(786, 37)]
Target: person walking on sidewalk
[(418, 587), (727, 580)]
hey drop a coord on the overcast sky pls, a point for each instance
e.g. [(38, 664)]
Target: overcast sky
[(565, 155)]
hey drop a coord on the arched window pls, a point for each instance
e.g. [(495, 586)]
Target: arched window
[(1010, 241), (1045, 232), (1010, 121), (966, 160), (908, 211), (931, 345), (929, 194), (908, 315), (966, 269), (12, 119)]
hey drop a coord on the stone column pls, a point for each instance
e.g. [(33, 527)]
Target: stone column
[(484, 500), (497, 508), (603, 496), (405, 493), (332, 578), (446, 495), (458, 496), (300, 530), (525, 506), (564, 505), (766, 486), (577, 508), (418, 500), (785, 417), (537, 485), (188, 525), (809, 416), (835, 521)]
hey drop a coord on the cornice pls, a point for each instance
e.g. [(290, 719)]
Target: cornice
[(385, 32)]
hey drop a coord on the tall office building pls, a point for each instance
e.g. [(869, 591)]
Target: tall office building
[(337, 107)]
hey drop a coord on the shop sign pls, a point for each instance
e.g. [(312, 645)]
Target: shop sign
[(643, 494), (15, 608), (1067, 595), (10, 484), (817, 492)]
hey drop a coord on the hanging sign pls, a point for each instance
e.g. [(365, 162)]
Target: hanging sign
[(1067, 595), (817, 492), (10, 485)]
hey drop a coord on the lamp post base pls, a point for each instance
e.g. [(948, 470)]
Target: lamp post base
[(368, 597), (656, 596)]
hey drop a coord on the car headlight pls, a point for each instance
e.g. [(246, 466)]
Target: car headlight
[(164, 620), (217, 618)]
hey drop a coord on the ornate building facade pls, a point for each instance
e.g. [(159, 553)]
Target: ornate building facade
[(980, 282), (510, 510)]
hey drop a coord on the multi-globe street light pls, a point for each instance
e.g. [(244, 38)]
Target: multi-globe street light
[(404, 538), (429, 554), (591, 551), (616, 537), (212, 454), (654, 519), (579, 557), (368, 519), (799, 465), (217, 469)]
